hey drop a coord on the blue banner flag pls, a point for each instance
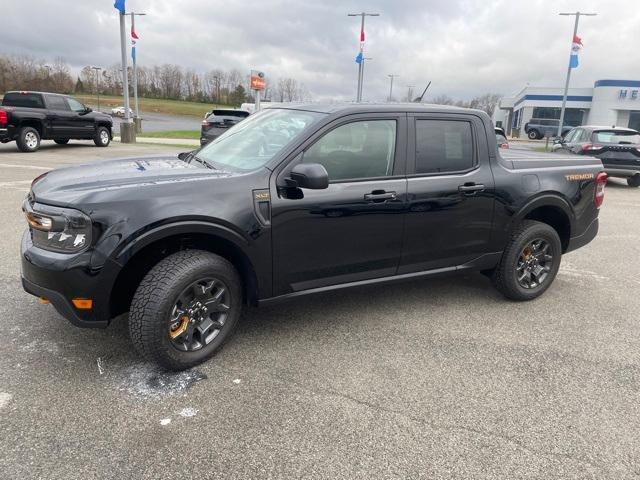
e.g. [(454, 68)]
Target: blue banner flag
[(120, 6), (359, 58), (133, 52)]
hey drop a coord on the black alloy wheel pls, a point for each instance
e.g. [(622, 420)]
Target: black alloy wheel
[(534, 264)]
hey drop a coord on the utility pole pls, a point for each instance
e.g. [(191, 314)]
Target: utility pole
[(391, 76), (566, 84), (97, 69), (361, 55), (409, 92), (134, 54), (127, 130)]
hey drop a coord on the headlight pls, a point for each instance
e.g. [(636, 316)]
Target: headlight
[(58, 229)]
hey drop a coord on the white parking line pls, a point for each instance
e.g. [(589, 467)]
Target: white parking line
[(29, 167), (15, 184)]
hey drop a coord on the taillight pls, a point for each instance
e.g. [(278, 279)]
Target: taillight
[(504, 145), (589, 147), (601, 182), (206, 125), (4, 118)]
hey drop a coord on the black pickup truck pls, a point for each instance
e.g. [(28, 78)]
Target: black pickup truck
[(28, 117), (294, 201)]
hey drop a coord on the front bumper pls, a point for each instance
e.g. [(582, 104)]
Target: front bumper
[(60, 277)]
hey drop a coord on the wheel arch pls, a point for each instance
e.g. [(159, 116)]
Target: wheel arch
[(34, 123), (138, 259), (552, 210)]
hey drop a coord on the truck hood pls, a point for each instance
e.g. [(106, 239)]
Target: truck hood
[(66, 185)]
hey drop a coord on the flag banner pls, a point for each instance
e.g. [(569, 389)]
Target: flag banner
[(576, 46), (362, 35), (359, 58), (133, 52), (133, 33), (120, 6)]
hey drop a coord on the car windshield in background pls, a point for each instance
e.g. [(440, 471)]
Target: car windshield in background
[(256, 140), (617, 136)]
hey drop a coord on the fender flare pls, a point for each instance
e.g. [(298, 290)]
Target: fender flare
[(545, 200)]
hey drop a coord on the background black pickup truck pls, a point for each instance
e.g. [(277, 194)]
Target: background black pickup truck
[(295, 201), (28, 117)]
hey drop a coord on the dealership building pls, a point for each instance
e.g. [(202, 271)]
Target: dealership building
[(608, 102)]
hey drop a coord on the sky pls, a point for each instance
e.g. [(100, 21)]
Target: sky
[(464, 47)]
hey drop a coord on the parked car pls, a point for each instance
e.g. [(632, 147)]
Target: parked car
[(29, 117), (295, 201), (501, 138), (219, 121), (119, 112), (538, 128), (618, 148)]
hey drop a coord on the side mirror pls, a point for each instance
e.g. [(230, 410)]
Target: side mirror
[(184, 156), (308, 175)]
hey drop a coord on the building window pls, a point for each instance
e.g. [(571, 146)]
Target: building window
[(572, 116)]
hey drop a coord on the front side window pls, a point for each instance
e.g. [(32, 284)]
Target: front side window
[(253, 142), (362, 149), (443, 146), (571, 135), (75, 105)]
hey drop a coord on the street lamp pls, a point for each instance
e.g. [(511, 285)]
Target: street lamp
[(360, 66), (362, 85), (97, 69)]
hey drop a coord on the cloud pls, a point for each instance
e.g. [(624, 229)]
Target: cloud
[(465, 47)]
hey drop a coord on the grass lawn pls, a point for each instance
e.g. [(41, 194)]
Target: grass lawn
[(172, 107), (191, 134)]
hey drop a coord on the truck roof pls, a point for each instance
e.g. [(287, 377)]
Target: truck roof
[(374, 107), (33, 91)]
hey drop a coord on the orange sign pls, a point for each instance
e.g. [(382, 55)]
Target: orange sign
[(257, 80)]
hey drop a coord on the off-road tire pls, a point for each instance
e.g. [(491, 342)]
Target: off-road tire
[(634, 181), (61, 141), (28, 139), (156, 295), (102, 138), (505, 277)]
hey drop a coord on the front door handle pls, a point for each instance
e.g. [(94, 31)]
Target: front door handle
[(380, 196), (470, 188)]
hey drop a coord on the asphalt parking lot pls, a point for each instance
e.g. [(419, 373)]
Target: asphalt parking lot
[(429, 379)]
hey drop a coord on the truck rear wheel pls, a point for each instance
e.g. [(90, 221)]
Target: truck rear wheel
[(185, 308), (530, 261), (28, 139), (533, 135), (634, 181)]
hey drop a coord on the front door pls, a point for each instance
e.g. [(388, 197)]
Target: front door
[(352, 230), (450, 193), (82, 123), (61, 117)]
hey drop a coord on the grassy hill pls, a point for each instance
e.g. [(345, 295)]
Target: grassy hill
[(172, 107)]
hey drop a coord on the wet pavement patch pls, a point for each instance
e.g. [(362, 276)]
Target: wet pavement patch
[(145, 381)]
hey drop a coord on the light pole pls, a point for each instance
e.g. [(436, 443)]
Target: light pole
[(566, 84), (135, 70), (127, 129), (409, 92), (391, 76), (97, 69), (361, 56)]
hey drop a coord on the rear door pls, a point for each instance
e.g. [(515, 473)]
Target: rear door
[(60, 117), (352, 230), (450, 192)]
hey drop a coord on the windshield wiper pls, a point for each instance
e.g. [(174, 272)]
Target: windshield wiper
[(201, 161)]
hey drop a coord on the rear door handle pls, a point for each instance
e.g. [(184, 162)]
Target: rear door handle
[(379, 196), (471, 188)]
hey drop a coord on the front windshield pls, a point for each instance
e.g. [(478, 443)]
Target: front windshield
[(254, 141)]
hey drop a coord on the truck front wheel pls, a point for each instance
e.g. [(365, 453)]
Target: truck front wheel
[(185, 308), (102, 137), (530, 261), (533, 135), (28, 139)]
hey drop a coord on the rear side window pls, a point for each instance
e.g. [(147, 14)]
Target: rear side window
[(54, 102), (28, 100), (443, 146)]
